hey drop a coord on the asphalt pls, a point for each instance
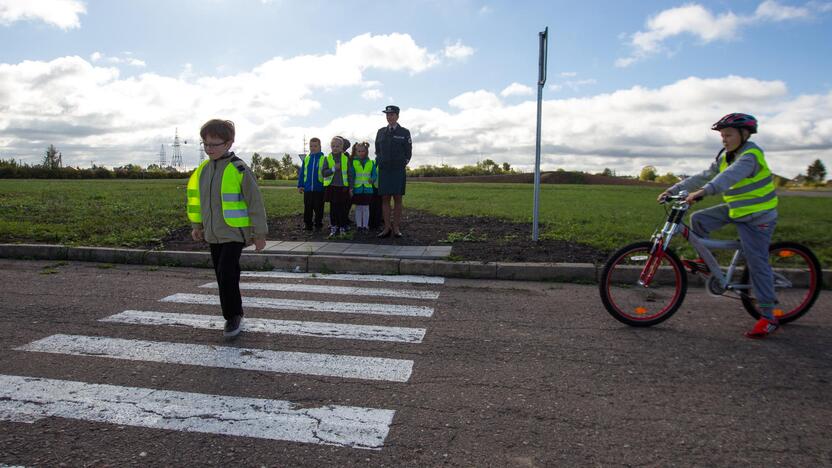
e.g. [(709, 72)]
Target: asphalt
[(509, 373)]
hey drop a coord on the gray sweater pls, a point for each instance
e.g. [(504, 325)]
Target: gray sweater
[(217, 231), (715, 182)]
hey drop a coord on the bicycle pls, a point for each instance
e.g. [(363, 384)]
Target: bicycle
[(644, 283)]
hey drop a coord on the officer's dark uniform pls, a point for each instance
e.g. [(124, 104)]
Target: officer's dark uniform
[(393, 151)]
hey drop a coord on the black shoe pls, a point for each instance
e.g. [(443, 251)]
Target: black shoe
[(318, 228), (307, 228), (384, 234), (233, 326), (333, 232), (397, 235)]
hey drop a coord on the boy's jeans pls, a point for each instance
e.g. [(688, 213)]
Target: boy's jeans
[(755, 235), (226, 259)]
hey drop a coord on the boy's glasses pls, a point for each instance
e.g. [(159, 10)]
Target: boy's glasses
[(213, 145)]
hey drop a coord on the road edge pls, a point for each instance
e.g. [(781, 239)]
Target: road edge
[(586, 273)]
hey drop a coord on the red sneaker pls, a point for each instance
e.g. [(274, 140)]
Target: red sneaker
[(763, 328)]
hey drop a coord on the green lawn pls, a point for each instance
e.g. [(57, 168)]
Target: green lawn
[(137, 212)]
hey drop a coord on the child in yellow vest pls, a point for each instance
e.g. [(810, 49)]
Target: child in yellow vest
[(226, 210), (362, 188), (338, 179)]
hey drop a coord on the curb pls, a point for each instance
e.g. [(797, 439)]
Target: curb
[(563, 272), (556, 272)]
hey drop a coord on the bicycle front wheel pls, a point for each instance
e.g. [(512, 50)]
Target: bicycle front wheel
[(797, 281), (643, 289)]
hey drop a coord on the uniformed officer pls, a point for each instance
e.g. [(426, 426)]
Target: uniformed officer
[(393, 151)]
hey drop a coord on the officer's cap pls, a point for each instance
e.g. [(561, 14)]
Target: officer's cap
[(391, 110)]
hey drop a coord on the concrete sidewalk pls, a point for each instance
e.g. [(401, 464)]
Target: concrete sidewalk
[(417, 252)]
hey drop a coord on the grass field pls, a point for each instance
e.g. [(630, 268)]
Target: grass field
[(133, 213)]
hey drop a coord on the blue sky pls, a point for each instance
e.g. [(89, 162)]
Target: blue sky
[(630, 83)]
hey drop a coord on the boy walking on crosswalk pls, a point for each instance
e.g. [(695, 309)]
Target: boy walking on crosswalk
[(226, 210)]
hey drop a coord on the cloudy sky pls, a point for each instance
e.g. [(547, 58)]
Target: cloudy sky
[(630, 83)]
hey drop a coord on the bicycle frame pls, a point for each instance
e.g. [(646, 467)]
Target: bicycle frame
[(675, 225)]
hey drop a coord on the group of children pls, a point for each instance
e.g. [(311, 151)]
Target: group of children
[(343, 178)]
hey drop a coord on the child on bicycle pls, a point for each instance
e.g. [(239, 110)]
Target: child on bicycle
[(741, 175)]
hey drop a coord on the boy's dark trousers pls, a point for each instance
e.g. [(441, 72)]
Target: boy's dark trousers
[(313, 202), (226, 258), (338, 214)]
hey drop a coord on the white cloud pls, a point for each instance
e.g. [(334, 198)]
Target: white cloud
[(695, 20), (61, 13), (372, 94), (574, 85), (93, 113), (517, 89), (387, 52), (475, 100), (485, 10), (96, 57), (457, 51), (668, 127)]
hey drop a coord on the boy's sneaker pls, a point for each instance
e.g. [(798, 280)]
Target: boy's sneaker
[(333, 232), (233, 326), (763, 328)]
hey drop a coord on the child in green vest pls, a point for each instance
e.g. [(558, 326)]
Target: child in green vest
[(226, 210), (338, 179), (362, 188), (740, 173), (311, 185)]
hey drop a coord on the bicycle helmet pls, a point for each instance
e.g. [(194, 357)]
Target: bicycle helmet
[(737, 121)]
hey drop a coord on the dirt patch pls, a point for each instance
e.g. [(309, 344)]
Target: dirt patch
[(472, 238), (553, 177)]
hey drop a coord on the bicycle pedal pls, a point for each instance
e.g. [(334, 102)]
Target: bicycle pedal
[(696, 267)]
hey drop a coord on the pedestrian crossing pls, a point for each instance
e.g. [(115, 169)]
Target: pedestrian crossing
[(276, 327), (28, 399), (310, 306)]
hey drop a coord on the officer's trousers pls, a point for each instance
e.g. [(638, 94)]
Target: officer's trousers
[(226, 259), (755, 232)]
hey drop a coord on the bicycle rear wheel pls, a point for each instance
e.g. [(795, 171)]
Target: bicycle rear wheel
[(797, 281), (642, 305)]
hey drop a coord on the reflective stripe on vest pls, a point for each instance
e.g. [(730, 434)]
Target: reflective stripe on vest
[(306, 161), (344, 164), (752, 194), (362, 174), (234, 207), (194, 213)]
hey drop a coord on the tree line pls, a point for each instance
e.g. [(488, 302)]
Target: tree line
[(51, 167)]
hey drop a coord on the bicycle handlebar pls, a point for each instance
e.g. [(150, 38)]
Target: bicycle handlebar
[(681, 196)]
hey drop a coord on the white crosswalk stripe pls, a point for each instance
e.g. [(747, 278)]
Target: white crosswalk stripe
[(331, 365), (27, 399), (282, 327), (313, 306), (345, 277), (339, 290)]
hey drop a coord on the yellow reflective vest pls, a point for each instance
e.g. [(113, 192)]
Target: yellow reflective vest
[(363, 174), (234, 207), (752, 194), (345, 161)]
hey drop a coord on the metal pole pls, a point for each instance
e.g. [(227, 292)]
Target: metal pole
[(541, 80)]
